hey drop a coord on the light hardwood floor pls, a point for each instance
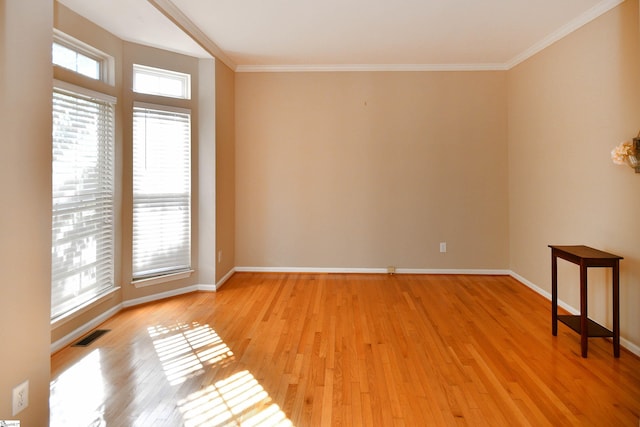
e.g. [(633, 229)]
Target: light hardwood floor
[(348, 350)]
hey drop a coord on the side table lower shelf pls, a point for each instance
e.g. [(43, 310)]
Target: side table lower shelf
[(586, 257), (593, 329)]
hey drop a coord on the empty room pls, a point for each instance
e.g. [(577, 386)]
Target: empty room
[(333, 213)]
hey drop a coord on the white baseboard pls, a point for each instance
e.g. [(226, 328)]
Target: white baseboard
[(76, 334), (544, 293), (633, 348), (71, 337), (318, 270), (224, 279), (480, 272), (61, 343), (321, 270), (68, 339), (162, 295)]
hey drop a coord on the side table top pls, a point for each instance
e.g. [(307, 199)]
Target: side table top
[(585, 252)]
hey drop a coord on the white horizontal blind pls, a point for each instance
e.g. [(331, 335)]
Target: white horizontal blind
[(83, 198), (161, 191)]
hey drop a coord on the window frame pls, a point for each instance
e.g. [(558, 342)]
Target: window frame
[(105, 62), (107, 149), (147, 279), (183, 78)]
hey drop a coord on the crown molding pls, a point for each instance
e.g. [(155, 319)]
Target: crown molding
[(175, 15), (591, 14), (588, 16)]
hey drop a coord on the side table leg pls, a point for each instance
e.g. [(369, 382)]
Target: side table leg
[(584, 326), (616, 309), (554, 294)]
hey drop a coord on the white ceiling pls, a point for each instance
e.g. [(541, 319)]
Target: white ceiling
[(348, 34)]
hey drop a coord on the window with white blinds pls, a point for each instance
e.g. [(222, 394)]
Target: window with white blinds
[(82, 253), (161, 190)]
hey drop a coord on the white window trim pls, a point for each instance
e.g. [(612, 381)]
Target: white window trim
[(92, 94), (83, 308), (107, 68), (163, 107), (156, 280), (185, 78)]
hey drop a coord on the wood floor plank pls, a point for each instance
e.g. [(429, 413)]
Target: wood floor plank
[(345, 350)]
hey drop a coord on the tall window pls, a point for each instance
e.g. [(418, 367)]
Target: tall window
[(83, 197), (161, 190)]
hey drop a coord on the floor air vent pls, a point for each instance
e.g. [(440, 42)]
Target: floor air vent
[(88, 339)]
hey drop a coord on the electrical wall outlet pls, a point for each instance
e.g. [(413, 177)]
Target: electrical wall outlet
[(443, 247), (391, 270), (20, 397), (219, 256)]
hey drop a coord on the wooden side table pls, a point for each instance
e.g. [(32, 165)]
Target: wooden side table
[(586, 257)]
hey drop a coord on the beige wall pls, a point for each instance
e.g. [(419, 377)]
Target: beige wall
[(354, 170), (568, 107), (367, 170), (25, 217), (225, 169), (207, 172), (216, 172)]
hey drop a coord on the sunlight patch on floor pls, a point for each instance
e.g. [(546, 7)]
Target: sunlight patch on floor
[(237, 400), (185, 350), (81, 385)]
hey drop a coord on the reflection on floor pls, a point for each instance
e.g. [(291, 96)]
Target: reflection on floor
[(184, 351)]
